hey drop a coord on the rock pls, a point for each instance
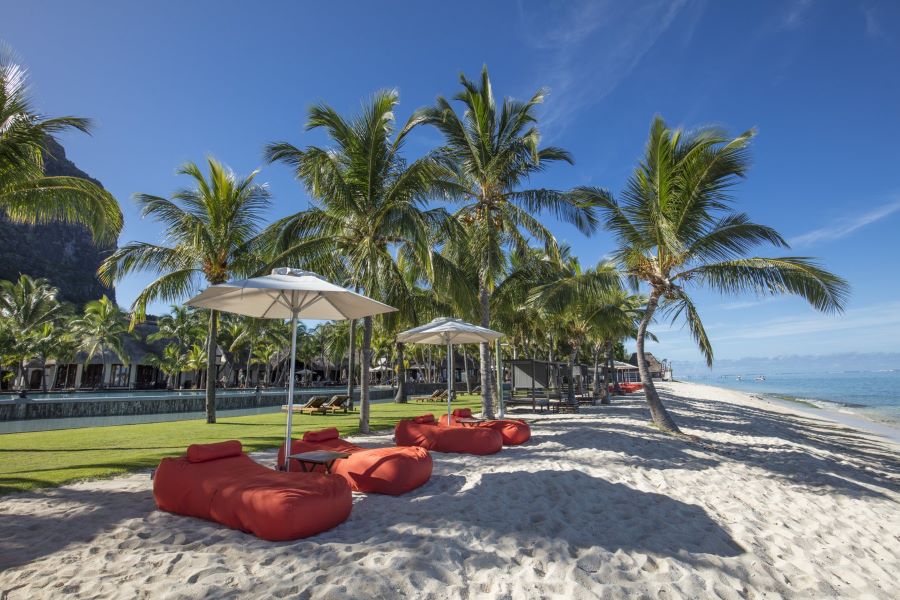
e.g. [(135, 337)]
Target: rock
[(64, 254)]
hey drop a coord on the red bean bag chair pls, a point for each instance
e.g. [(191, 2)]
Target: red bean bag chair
[(220, 483), (394, 470), (513, 431), (425, 432)]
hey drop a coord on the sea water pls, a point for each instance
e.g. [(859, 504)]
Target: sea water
[(874, 395)]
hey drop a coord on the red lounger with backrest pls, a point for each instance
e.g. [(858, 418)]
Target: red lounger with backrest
[(425, 432), (220, 483), (513, 431), (394, 470)]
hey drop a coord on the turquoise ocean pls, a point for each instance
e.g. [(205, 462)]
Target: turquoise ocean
[(874, 395)]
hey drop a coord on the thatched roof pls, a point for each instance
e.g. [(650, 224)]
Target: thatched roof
[(652, 364)]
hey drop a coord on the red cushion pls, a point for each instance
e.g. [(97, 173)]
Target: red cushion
[(392, 470), (329, 433), (466, 440), (429, 418), (197, 453), (513, 431), (242, 494), (463, 413)]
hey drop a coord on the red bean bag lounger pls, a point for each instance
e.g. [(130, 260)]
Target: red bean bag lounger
[(393, 470), (425, 432), (513, 431), (220, 483)]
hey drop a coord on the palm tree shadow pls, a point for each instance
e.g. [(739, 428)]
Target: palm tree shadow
[(97, 511), (801, 450)]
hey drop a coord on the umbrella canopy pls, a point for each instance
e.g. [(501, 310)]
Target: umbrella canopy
[(288, 294), (449, 331)]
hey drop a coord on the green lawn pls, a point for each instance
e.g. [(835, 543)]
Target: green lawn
[(49, 458)]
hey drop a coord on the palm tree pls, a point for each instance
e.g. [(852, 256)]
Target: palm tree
[(675, 229), (195, 359), (369, 208), (25, 307), (183, 326), (26, 194), (491, 152), (100, 329), (212, 235), (171, 362)]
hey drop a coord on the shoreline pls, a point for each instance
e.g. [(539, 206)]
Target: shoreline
[(885, 431)]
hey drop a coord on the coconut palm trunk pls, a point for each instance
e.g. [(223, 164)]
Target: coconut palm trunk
[(466, 371), (487, 407), (400, 397), (570, 389), (595, 384), (351, 352), (364, 363), (211, 368), (658, 412)]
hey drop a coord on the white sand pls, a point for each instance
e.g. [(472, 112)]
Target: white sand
[(597, 505)]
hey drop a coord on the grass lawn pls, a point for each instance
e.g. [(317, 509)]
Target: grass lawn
[(48, 458)]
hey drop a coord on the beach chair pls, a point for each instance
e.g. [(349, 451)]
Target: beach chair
[(426, 397), (337, 402), (314, 404)]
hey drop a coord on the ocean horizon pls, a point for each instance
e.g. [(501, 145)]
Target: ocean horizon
[(874, 395)]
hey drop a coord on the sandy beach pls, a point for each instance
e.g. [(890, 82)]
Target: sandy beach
[(773, 504)]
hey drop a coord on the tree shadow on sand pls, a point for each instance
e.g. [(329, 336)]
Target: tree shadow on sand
[(801, 450), (28, 537)]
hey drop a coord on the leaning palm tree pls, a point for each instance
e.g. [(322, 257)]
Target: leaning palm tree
[(368, 208), (492, 151), (676, 231), (26, 194), (100, 330), (211, 235)]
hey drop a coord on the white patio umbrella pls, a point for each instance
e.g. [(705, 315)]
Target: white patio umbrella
[(288, 294), (449, 331)]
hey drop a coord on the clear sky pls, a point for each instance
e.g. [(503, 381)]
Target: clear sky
[(168, 82)]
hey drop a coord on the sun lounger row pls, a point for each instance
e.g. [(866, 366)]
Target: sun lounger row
[(322, 405)]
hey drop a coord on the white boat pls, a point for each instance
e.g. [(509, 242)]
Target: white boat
[(761, 378)]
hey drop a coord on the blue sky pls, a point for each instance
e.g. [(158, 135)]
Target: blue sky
[(168, 82)]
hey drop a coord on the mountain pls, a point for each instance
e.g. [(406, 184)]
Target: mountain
[(64, 254)]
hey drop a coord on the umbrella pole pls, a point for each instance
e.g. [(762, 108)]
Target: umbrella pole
[(449, 380), (290, 399)]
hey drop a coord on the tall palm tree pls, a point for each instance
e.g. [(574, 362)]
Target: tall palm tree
[(676, 231), (368, 208), (491, 152), (182, 325), (26, 194), (26, 306), (101, 329), (211, 235)]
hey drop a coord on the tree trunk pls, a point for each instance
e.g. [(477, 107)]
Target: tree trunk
[(364, 362), (350, 357), (44, 374), (400, 398), (570, 391), (211, 369), (595, 384), (609, 372), (661, 417), (487, 407), (466, 370)]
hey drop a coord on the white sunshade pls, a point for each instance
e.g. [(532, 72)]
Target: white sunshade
[(446, 330), (279, 295)]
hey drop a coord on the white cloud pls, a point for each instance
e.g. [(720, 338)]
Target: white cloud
[(878, 317), (795, 15), (845, 226), (591, 47)]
